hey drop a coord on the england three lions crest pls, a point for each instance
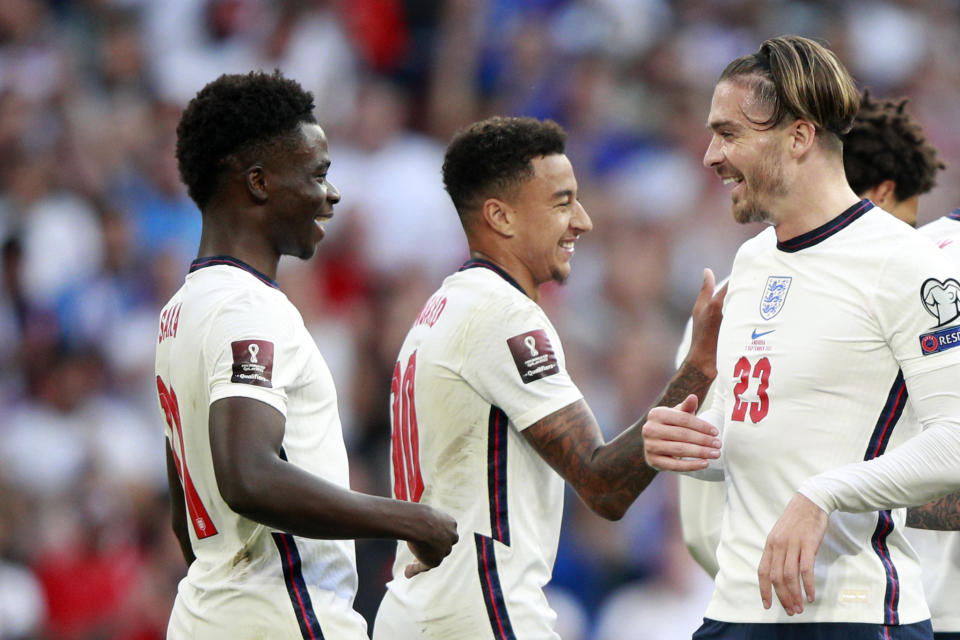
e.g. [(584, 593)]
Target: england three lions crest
[(774, 295)]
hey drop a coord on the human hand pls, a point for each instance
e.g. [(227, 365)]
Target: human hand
[(789, 554), (677, 440), (707, 314), (439, 534)]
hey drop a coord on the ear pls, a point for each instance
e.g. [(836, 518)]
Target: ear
[(882, 194), (256, 182), (803, 133), (499, 216)]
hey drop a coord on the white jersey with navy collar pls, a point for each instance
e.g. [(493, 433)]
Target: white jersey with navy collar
[(480, 364), (229, 331), (823, 338)]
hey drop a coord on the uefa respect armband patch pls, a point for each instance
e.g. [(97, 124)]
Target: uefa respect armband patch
[(936, 341)]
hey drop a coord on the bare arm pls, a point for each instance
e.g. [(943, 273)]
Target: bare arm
[(609, 477), (178, 509), (939, 515), (255, 481)]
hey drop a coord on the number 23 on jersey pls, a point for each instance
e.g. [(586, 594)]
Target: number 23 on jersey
[(745, 375)]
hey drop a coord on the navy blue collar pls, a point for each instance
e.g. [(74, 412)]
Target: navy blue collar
[(212, 261), (955, 214), (827, 229), (474, 263)]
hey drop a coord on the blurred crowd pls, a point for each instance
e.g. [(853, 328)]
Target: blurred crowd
[(97, 232)]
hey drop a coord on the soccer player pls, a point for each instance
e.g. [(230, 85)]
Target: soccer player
[(487, 423), (256, 461), (825, 335), (888, 160)]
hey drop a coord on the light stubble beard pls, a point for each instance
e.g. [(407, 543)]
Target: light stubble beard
[(768, 183)]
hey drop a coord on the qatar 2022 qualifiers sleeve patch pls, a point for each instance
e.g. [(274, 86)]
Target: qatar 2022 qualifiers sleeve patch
[(253, 362), (533, 355)]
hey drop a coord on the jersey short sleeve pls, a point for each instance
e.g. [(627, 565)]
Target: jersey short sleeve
[(918, 307), (250, 351), (514, 359)]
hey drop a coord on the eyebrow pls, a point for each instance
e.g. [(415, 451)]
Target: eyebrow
[(720, 124), (565, 193)]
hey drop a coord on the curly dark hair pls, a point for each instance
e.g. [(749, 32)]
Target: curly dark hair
[(490, 157), (887, 143), (232, 115)]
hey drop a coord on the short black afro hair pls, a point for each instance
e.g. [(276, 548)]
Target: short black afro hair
[(489, 157), (235, 113), (887, 143)]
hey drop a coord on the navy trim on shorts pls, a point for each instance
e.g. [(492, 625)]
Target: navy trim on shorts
[(882, 431), (212, 261), (827, 229), (946, 635), (497, 475), (715, 630), (297, 586), (492, 591), (486, 264)]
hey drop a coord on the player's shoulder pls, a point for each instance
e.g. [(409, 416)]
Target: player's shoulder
[(481, 288), (943, 228), (764, 241)]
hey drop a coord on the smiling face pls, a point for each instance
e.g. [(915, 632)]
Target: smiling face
[(300, 197), (549, 219), (745, 155)]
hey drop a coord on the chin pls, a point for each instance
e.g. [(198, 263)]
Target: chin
[(748, 214), (306, 253), (560, 276)]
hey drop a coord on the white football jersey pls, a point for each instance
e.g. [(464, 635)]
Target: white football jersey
[(229, 331), (822, 337), (481, 363), (701, 502), (939, 551)]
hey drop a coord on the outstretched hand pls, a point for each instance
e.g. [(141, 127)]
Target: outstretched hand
[(789, 554), (707, 314), (435, 542), (677, 440)]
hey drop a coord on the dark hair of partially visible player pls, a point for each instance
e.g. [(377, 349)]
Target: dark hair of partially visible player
[(233, 119), (491, 157), (887, 143)]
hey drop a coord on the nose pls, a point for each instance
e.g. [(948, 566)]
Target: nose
[(333, 194), (713, 156), (581, 221)]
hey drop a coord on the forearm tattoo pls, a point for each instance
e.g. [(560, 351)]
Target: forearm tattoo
[(939, 515), (609, 477)]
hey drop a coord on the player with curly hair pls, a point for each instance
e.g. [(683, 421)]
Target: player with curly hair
[(887, 157), (487, 422), (256, 462)]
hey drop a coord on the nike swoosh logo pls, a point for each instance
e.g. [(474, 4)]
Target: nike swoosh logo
[(756, 335)]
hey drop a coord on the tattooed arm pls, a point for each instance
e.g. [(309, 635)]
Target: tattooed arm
[(939, 515), (609, 477)]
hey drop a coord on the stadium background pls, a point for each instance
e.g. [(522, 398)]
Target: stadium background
[(97, 232)]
